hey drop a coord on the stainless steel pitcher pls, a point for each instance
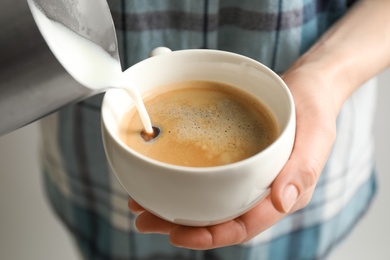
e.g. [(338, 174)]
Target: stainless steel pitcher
[(32, 82)]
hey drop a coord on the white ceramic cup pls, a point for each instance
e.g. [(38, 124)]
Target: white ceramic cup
[(206, 195)]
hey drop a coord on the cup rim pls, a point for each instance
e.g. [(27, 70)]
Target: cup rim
[(219, 168)]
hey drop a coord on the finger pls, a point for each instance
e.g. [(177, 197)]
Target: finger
[(232, 232), (146, 222), (315, 135), (135, 207)]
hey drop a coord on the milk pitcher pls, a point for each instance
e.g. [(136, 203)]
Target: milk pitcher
[(33, 81)]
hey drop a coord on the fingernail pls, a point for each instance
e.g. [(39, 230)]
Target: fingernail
[(290, 196)]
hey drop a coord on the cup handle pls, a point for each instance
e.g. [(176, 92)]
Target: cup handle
[(159, 51)]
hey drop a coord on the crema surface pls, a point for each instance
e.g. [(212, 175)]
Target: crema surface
[(202, 124)]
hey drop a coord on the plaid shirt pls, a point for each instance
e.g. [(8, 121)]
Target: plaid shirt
[(92, 204)]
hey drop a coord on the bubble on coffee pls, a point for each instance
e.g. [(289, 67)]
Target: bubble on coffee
[(202, 124)]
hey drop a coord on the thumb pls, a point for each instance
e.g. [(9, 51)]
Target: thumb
[(315, 134)]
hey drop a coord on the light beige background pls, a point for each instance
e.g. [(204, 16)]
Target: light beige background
[(29, 229)]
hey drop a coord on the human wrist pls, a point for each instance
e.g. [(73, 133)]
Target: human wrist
[(332, 70), (323, 75)]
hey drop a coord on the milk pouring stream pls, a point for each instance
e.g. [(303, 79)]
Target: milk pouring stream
[(87, 62)]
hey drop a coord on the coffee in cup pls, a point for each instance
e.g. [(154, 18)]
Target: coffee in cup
[(201, 124)]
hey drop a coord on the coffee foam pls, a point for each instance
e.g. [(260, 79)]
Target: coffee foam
[(213, 123)]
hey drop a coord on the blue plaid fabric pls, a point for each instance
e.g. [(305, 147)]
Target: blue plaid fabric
[(92, 204)]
